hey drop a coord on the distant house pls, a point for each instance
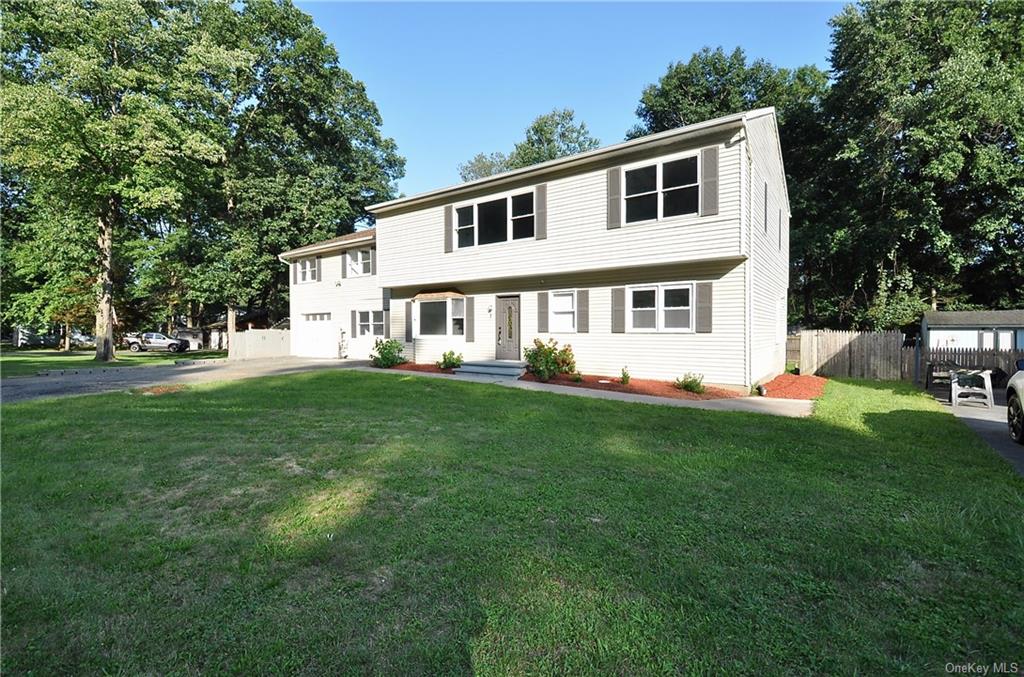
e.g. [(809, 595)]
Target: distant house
[(976, 329)]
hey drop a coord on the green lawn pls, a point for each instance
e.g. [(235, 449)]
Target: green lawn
[(28, 362), (344, 522)]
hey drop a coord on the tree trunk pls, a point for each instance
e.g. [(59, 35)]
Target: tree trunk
[(67, 337), (231, 328), (935, 299), (105, 291)]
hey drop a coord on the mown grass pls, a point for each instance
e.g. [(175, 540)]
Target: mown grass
[(342, 522), (28, 362)]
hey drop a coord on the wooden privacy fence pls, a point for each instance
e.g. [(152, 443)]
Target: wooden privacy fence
[(881, 355), (851, 354)]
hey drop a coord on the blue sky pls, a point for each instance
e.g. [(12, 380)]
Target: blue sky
[(452, 80)]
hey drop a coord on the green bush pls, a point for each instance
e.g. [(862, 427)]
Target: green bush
[(386, 354), (693, 383), (625, 376), (546, 360), (450, 360), (577, 377)]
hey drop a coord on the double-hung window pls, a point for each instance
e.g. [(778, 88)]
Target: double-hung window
[(662, 190), (506, 218), (562, 311), (371, 322), (458, 317), (661, 307), (360, 262), (307, 270)]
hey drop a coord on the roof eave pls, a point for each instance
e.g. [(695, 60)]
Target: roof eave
[(729, 121), (323, 247)]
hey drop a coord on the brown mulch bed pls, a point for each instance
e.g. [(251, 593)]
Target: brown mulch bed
[(430, 368), (794, 387), (639, 386)]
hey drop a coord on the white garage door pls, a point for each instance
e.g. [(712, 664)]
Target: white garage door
[(316, 335)]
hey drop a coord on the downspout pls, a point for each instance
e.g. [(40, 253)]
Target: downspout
[(746, 175)]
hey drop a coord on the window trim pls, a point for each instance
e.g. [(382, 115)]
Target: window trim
[(552, 312), (659, 190), (659, 308), (307, 268), (355, 268), (416, 333), (507, 196), (370, 324)]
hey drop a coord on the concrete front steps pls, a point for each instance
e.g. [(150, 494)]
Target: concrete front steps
[(510, 369)]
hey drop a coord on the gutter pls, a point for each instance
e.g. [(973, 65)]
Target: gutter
[(323, 247)]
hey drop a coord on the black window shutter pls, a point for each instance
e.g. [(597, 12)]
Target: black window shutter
[(470, 320), (385, 300), (618, 310), (709, 181), (448, 226), (295, 272), (540, 212), (387, 324), (354, 327), (408, 321), (704, 307), (583, 310), (614, 198), (542, 312), (344, 265), (318, 270)]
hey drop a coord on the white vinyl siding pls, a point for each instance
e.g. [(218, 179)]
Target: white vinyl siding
[(577, 235)]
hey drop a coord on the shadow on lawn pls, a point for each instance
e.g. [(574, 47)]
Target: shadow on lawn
[(458, 532)]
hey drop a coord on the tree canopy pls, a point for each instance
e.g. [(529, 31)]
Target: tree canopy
[(200, 139), (549, 136)]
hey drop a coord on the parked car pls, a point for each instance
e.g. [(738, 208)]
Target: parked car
[(1014, 408), (155, 341)]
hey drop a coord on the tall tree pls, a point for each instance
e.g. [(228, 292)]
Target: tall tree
[(928, 111), (549, 136), (92, 118)]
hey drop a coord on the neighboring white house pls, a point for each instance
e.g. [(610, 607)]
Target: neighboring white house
[(975, 329), (665, 254)]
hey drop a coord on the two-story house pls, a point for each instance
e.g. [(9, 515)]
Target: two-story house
[(664, 254)]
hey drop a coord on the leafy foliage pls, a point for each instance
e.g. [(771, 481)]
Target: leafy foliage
[(549, 137), (450, 360), (547, 360), (387, 353), (693, 383), (625, 376)]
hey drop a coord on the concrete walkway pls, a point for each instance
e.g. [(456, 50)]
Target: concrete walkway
[(113, 379), (752, 405)]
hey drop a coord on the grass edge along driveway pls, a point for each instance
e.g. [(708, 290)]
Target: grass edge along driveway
[(351, 522), (16, 363)]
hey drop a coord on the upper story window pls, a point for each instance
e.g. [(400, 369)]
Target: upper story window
[(307, 270), (506, 218), (360, 262), (660, 307), (661, 190)]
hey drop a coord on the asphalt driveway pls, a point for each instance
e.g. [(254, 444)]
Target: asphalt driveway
[(88, 382), (989, 424)]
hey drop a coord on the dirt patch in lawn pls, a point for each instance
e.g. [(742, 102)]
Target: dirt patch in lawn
[(160, 390), (429, 368), (794, 387), (639, 386)]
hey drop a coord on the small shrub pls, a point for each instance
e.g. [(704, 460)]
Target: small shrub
[(450, 360), (577, 377), (546, 360), (625, 376), (386, 354), (693, 383)]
